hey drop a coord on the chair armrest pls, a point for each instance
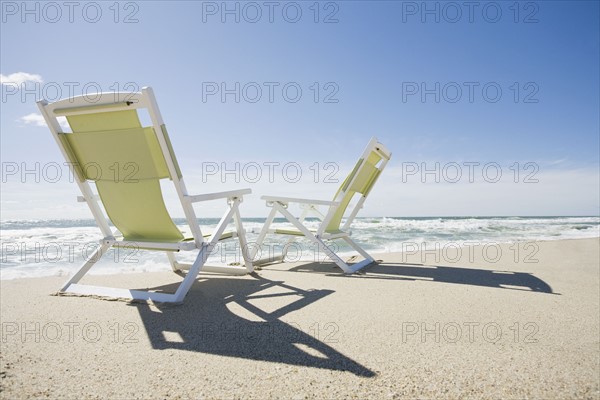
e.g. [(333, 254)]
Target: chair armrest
[(301, 201), (219, 195)]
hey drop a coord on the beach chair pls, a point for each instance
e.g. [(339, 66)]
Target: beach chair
[(360, 181), (109, 146)]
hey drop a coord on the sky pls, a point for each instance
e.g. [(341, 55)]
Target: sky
[(488, 108)]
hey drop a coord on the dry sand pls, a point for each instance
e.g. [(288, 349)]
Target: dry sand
[(408, 327)]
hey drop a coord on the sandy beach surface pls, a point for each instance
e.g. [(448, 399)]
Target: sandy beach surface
[(515, 321)]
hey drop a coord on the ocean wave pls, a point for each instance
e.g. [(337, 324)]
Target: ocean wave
[(58, 247)]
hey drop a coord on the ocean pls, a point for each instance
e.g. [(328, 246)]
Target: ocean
[(58, 247)]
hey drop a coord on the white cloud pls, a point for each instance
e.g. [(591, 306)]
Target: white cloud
[(556, 162), (18, 78), (35, 119)]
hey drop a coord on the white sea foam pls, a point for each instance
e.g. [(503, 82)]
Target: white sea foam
[(58, 247)]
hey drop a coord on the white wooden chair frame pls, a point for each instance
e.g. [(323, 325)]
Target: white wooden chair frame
[(310, 209), (145, 99)]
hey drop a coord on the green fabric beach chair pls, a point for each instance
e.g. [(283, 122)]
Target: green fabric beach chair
[(359, 183), (109, 147)]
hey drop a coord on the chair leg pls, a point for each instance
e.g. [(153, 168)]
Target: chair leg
[(71, 285), (192, 274), (207, 247), (348, 269), (174, 264), (331, 254), (359, 249), (91, 260), (293, 239), (286, 247), (261, 237), (308, 234), (241, 233)]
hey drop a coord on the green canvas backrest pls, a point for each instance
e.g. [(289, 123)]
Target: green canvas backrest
[(126, 163), (360, 180)]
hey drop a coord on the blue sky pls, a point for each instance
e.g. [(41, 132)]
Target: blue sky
[(542, 56)]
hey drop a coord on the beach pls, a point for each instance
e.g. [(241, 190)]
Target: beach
[(456, 323), (426, 173)]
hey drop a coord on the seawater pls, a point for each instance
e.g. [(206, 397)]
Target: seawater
[(58, 247)]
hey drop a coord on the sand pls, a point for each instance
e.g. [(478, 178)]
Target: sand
[(412, 326)]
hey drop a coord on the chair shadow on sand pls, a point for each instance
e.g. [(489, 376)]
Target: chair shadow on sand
[(208, 320), (206, 323), (436, 273)]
